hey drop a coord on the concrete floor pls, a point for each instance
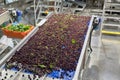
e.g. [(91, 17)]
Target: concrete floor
[(109, 59), (105, 60)]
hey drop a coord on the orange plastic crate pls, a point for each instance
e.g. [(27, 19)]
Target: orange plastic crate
[(16, 34)]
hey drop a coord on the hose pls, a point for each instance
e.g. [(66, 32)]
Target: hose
[(96, 22)]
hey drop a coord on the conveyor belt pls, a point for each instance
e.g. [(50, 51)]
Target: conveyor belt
[(81, 59)]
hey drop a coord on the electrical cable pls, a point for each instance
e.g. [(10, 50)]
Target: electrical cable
[(90, 41), (95, 24)]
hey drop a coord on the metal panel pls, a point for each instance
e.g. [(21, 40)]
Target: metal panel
[(4, 17)]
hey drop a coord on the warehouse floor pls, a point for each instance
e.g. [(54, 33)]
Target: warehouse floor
[(105, 60)]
